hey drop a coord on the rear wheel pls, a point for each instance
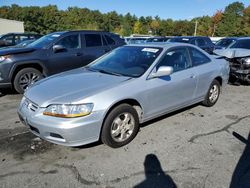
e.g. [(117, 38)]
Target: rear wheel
[(120, 127), (212, 94), (25, 78)]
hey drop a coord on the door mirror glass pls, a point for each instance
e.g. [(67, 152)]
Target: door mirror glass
[(162, 71), (58, 48)]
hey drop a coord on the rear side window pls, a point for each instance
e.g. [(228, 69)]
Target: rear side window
[(109, 40), (198, 58), (34, 36), (200, 42), (93, 40), (21, 38), (70, 42)]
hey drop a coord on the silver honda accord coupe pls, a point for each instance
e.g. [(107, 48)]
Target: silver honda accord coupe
[(109, 99)]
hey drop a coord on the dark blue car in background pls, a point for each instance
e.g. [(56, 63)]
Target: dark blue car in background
[(204, 43)]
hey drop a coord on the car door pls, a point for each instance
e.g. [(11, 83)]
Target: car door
[(204, 68), (173, 91), (68, 58), (93, 47)]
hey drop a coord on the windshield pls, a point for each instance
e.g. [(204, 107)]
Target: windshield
[(24, 43), (241, 44), (44, 41), (224, 42), (131, 61)]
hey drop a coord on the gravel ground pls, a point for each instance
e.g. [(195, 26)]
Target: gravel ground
[(191, 148)]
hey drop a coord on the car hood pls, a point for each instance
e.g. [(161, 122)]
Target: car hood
[(71, 86), (233, 52), (13, 50)]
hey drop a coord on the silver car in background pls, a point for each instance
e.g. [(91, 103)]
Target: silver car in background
[(111, 97)]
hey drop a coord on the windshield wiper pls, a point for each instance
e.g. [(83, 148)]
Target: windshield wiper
[(111, 73), (107, 72)]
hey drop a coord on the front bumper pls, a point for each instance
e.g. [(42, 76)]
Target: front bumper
[(240, 74), (62, 131)]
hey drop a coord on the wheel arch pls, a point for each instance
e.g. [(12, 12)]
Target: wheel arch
[(19, 67), (219, 79), (133, 102)]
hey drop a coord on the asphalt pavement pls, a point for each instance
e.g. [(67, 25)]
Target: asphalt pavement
[(191, 148)]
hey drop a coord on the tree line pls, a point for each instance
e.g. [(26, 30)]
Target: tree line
[(234, 20)]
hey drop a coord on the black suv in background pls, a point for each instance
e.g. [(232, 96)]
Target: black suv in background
[(51, 54), (204, 43), (12, 39)]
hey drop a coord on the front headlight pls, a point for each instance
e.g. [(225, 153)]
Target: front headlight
[(4, 57), (69, 110), (247, 61)]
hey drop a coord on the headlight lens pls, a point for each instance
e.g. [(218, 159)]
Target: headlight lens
[(68, 110), (247, 61), (2, 58)]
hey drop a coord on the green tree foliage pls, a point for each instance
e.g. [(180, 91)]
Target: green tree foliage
[(233, 21), (246, 22)]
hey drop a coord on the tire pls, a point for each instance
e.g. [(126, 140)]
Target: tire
[(26, 77), (115, 129), (214, 90)]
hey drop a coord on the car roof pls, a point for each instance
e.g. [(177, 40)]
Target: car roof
[(165, 45), (190, 37), (89, 31), (230, 38), (18, 33), (243, 38)]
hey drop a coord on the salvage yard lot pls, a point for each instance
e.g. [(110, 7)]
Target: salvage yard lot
[(195, 148)]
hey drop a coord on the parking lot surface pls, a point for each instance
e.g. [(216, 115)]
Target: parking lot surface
[(191, 148)]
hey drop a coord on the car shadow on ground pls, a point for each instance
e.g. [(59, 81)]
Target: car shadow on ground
[(142, 125), (4, 92), (168, 115), (241, 175), (155, 176)]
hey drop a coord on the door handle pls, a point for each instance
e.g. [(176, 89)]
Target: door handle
[(78, 54)]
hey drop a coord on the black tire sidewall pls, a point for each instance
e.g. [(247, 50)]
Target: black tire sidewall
[(19, 74), (207, 101), (106, 129)]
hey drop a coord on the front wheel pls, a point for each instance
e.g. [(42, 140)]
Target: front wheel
[(120, 126), (212, 94), (26, 77)]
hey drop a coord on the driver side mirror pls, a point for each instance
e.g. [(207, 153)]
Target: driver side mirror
[(58, 48), (162, 71)]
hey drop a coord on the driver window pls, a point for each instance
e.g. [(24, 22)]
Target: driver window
[(70, 42), (176, 58)]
